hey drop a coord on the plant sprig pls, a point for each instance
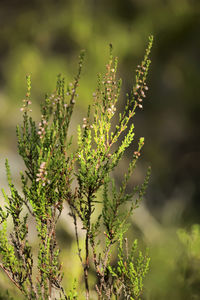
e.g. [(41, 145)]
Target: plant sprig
[(51, 168)]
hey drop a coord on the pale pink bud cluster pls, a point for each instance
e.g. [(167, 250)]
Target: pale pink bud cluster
[(140, 86), (26, 103), (41, 175), (111, 87), (111, 110), (137, 154), (41, 128), (71, 91), (55, 99), (85, 124)]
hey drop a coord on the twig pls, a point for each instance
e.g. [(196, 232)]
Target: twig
[(77, 237), (10, 277)]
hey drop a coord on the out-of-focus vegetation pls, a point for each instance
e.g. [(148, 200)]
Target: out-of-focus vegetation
[(44, 38)]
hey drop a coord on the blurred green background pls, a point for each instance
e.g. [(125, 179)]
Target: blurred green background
[(44, 38)]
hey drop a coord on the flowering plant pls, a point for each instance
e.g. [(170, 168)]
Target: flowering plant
[(51, 167)]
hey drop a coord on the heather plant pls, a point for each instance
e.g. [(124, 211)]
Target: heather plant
[(57, 174)]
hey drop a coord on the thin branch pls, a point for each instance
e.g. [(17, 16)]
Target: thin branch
[(10, 277), (77, 236)]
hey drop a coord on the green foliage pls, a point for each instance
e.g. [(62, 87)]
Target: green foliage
[(190, 259), (130, 271), (191, 240), (51, 168), (73, 295)]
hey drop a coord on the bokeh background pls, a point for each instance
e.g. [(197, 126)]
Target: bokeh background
[(44, 38)]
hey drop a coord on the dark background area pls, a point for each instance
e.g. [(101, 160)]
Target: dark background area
[(44, 38)]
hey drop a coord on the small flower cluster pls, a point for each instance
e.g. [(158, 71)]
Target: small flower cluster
[(107, 90), (137, 154), (41, 175), (25, 107), (110, 83), (54, 98), (71, 92), (111, 110), (140, 86), (42, 125), (27, 102), (85, 123)]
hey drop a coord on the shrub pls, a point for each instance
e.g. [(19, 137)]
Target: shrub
[(51, 168)]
